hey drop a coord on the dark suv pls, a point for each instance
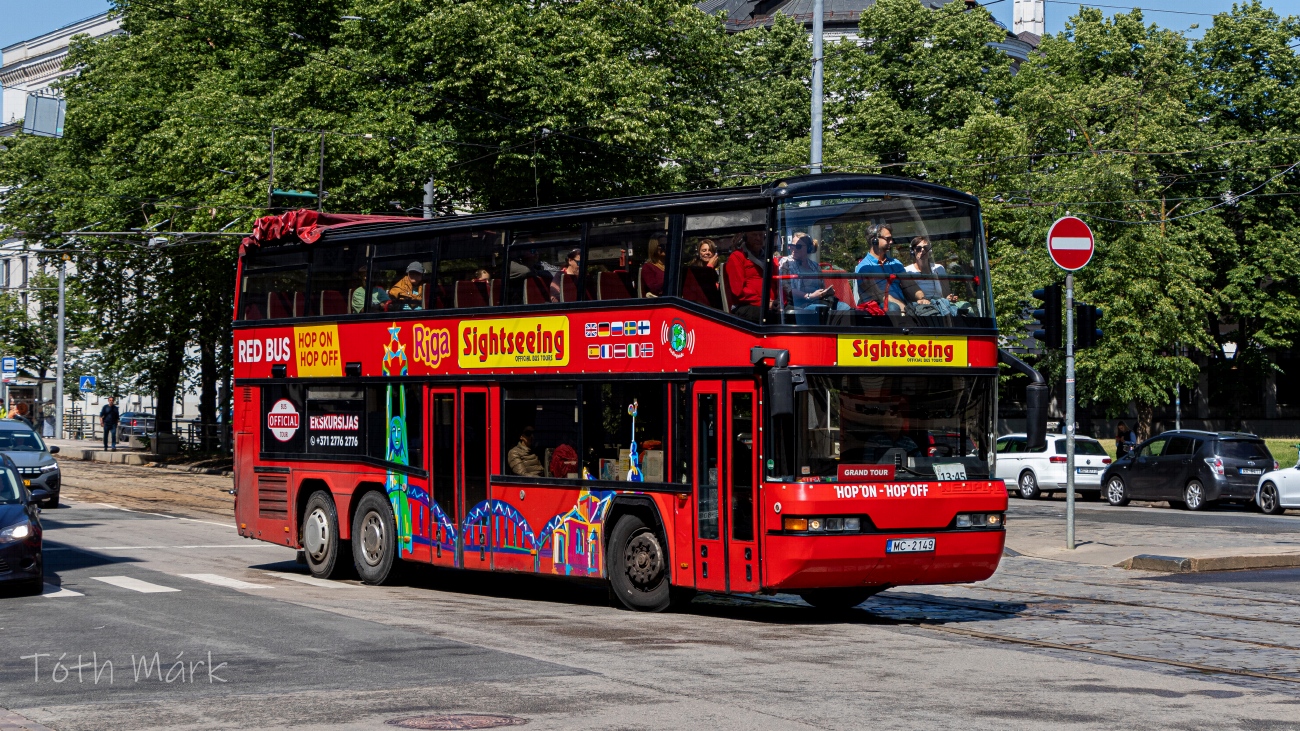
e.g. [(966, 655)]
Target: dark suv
[(1190, 469)]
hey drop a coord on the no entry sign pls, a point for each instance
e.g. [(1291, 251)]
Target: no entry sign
[(1070, 244)]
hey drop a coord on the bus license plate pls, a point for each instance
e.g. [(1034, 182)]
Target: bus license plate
[(910, 545)]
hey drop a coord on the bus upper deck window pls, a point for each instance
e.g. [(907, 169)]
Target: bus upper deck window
[(627, 257), (274, 286)]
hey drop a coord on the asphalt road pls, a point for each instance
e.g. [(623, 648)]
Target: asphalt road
[(244, 639), (1238, 518)]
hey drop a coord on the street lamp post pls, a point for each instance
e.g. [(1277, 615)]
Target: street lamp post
[(815, 166), (58, 369)]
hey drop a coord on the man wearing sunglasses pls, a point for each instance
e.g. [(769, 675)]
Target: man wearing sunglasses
[(886, 290)]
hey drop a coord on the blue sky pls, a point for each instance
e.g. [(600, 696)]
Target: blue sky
[(22, 19)]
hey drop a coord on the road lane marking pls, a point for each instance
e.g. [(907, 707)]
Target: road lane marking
[(219, 580), (164, 515), (126, 582), (323, 583), (137, 548), (53, 591)]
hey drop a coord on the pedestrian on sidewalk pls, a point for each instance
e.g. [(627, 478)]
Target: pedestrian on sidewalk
[(1125, 440), (108, 418)]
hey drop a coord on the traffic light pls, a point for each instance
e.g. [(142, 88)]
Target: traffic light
[(1048, 316), (1086, 332)]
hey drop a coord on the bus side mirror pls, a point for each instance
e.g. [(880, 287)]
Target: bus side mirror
[(1036, 397), (782, 385)]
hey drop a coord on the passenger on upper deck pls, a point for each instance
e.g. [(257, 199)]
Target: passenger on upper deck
[(572, 264), (358, 293), (887, 290), (521, 458), (481, 275), (935, 288), (744, 275), (708, 254), (652, 272), (804, 287), (406, 293)]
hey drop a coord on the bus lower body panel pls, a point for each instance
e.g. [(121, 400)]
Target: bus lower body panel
[(794, 562)]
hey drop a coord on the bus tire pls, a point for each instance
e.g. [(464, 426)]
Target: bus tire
[(374, 540), (638, 566), (839, 600), (320, 537)]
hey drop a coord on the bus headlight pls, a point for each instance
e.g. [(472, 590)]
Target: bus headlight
[(835, 524), (980, 520)]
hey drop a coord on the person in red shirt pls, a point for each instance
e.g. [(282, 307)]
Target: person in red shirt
[(744, 272)]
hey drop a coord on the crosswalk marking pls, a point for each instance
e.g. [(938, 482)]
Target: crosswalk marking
[(53, 591), (324, 583), (126, 582), (226, 581)]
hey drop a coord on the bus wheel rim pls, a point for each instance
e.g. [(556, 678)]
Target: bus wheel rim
[(372, 539), (644, 559), (316, 534)]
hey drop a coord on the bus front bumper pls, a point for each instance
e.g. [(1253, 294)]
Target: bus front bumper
[(794, 562)]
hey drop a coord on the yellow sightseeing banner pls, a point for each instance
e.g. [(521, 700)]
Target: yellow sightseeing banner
[(889, 350), (519, 342)]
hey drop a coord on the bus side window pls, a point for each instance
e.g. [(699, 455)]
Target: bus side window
[(607, 429), (470, 265), (626, 257), (544, 265), (709, 239), (338, 280), (400, 276), (274, 286)]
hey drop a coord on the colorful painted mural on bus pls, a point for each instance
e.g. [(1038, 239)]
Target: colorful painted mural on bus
[(573, 541), (397, 451)]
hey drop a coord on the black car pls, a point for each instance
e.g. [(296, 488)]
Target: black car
[(21, 563), (1189, 469)]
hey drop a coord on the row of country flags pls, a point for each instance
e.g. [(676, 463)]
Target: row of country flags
[(628, 328), (620, 350)]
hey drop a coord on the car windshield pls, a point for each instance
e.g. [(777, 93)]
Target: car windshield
[(1248, 449), (887, 259), (20, 440), (10, 490), (910, 422), (1082, 446)]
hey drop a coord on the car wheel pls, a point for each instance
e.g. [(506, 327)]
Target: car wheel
[(638, 566), (53, 503), (1194, 496), (320, 537), (1269, 502), (374, 543), (1029, 486), (1116, 491), (839, 600)]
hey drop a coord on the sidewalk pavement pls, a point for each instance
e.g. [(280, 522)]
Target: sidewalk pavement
[(93, 451), (1148, 547)]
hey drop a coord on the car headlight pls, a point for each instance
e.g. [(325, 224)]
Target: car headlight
[(16, 532), (50, 468)]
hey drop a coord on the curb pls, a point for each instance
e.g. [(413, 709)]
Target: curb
[(136, 459), (1185, 565)]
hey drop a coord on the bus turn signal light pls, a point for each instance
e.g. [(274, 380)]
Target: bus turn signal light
[(823, 525), (980, 520)]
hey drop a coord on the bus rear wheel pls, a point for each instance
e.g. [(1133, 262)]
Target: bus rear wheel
[(638, 566), (320, 537), (374, 542), (839, 600)]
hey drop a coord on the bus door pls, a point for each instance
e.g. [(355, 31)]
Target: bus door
[(726, 554), (445, 513), (475, 547)]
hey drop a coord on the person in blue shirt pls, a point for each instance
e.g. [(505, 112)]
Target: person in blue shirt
[(889, 293)]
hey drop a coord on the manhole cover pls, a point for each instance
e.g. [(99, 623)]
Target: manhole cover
[(458, 721)]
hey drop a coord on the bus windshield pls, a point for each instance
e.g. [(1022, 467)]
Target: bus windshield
[(887, 259), (908, 423)]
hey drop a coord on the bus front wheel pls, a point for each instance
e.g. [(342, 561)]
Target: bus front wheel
[(373, 541), (638, 566), (320, 537)]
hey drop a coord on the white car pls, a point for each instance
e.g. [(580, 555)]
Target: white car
[(1279, 490), (1043, 471)]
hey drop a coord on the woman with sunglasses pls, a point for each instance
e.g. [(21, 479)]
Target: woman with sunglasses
[(801, 280), (934, 287)]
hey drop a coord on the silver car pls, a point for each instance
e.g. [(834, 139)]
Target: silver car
[(34, 460), (1033, 473)]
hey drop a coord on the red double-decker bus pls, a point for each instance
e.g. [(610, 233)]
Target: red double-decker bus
[(785, 388)]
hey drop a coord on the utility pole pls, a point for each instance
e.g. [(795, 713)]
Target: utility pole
[(270, 174), (818, 62), (320, 188), (58, 369)]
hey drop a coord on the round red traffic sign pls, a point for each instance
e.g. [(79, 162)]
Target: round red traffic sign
[(1069, 241)]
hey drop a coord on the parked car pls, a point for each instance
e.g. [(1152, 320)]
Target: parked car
[(1279, 490), (21, 562), (1190, 469), (1031, 474), (134, 423), (33, 460)]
